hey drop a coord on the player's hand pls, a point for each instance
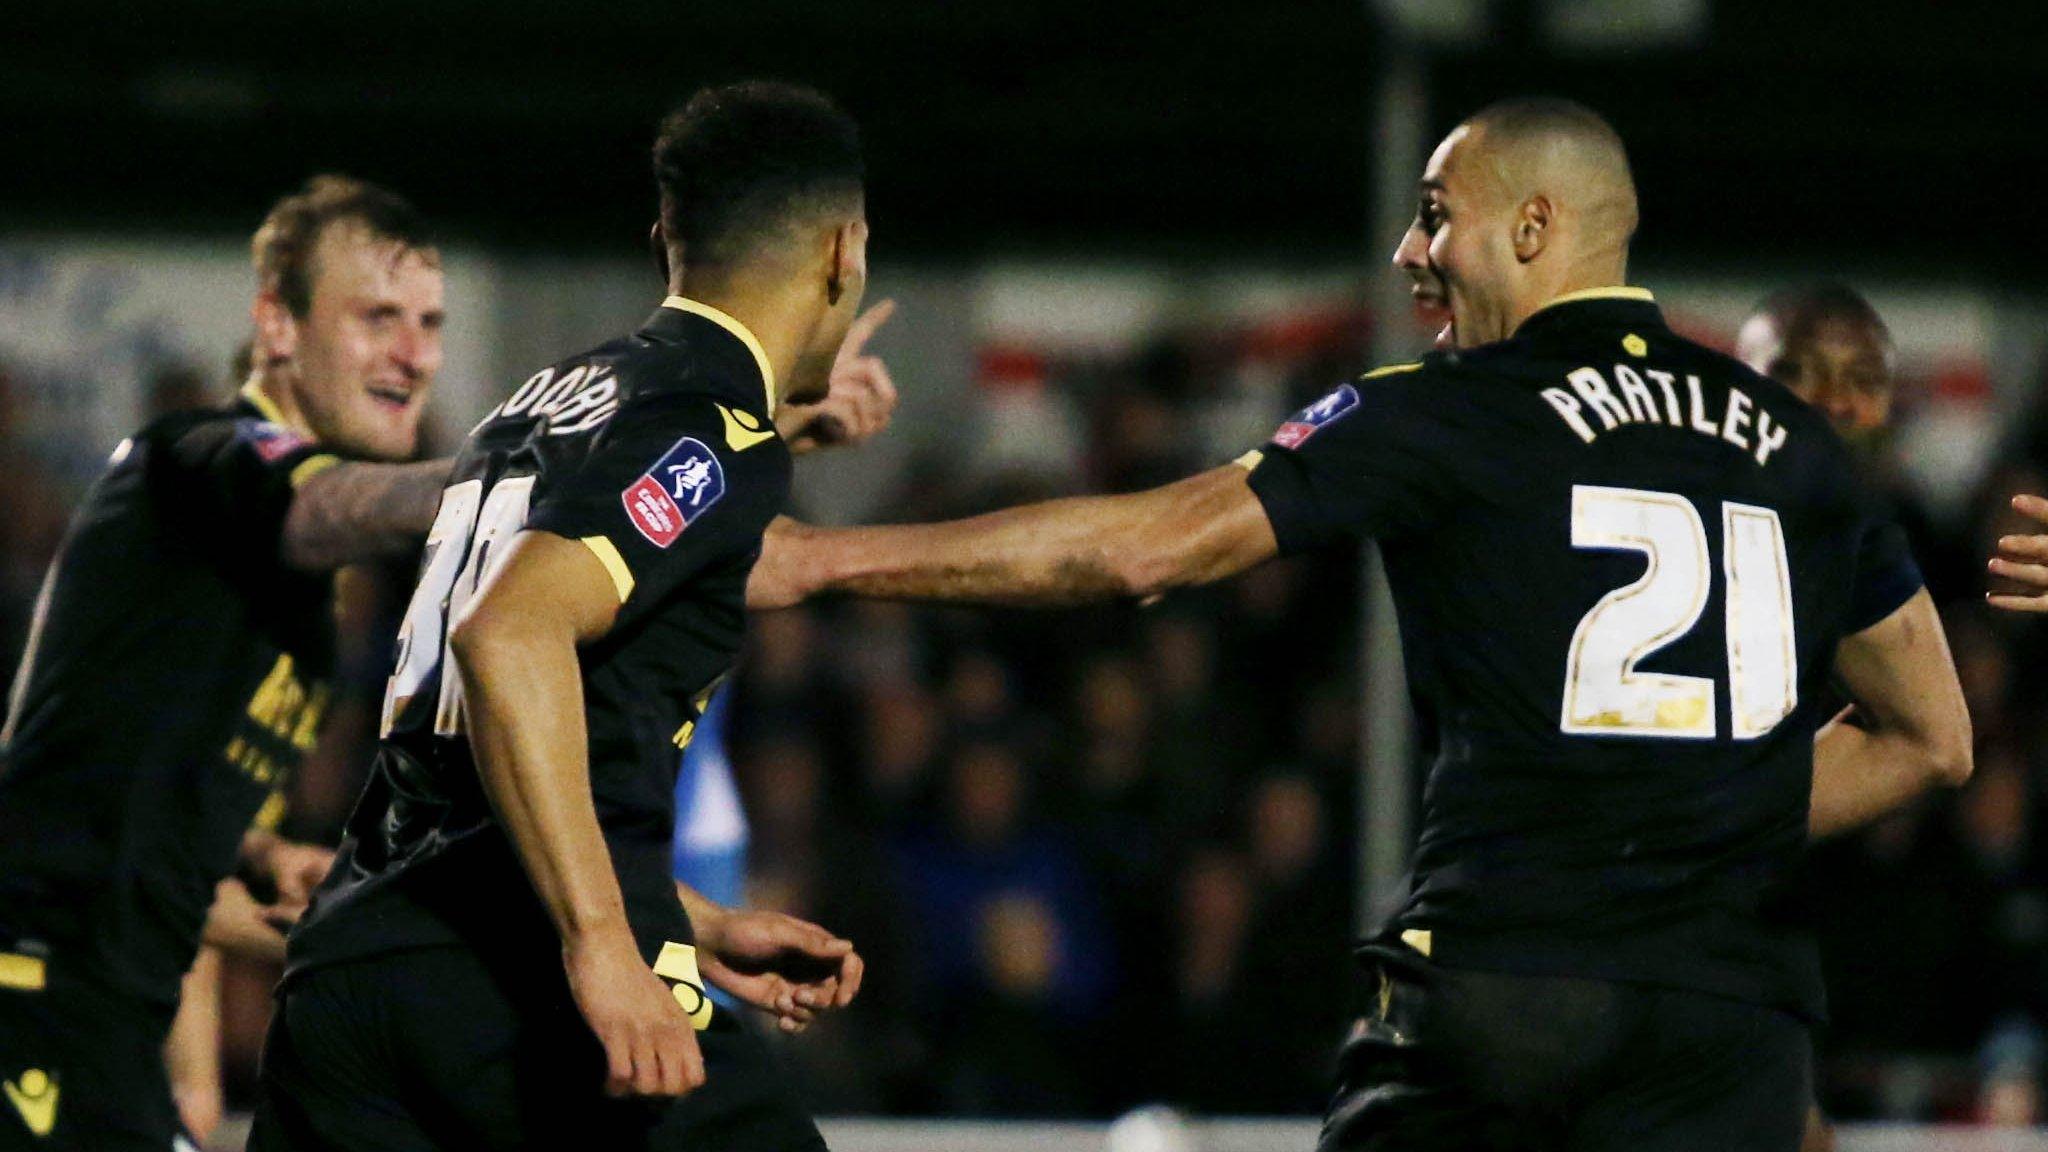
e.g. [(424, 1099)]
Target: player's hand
[(783, 965), (238, 924), (297, 869), (649, 1047), (782, 577), (862, 398), (2023, 559)]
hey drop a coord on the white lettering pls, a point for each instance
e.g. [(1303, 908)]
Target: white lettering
[(1568, 408), (1592, 388), (1770, 436), (1664, 380), (519, 400), (1700, 423), (593, 394), (1637, 393), (555, 396), (1737, 418)]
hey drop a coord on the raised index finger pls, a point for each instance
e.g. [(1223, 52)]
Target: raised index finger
[(864, 327)]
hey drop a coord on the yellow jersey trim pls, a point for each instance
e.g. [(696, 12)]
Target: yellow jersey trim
[(1618, 292), (268, 409), (312, 466), (743, 429), (1393, 370), (262, 403), (1250, 460), (23, 973), (725, 321), (607, 554), (678, 962), (1420, 939)]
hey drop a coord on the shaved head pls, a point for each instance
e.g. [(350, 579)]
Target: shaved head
[(1543, 146), (1528, 200)]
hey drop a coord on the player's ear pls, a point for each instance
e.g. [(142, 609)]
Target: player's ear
[(848, 270), (1532, 226), (277, 330), (657, 245)]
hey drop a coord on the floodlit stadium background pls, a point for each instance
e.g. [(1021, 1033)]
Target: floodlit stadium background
[(1108, 858)]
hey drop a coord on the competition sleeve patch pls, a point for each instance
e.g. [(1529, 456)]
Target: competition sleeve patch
[(1316, 417), (273, 442), (681, 486)]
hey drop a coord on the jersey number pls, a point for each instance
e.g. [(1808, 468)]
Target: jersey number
[(1605, 694), (465, 545)]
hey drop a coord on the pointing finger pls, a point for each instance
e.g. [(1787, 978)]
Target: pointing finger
[(864, 327)]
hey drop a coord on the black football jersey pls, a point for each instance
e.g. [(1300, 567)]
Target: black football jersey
[(656, 452), (1621, 563), (176, 674)]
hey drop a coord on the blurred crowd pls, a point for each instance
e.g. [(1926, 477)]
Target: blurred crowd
[(1098, 858)]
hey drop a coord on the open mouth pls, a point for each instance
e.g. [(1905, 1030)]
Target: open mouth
[(1433, 310), (391, 399)]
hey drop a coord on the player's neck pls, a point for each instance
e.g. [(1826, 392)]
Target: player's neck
[(271, 394), (1590, 276), (765, 313)]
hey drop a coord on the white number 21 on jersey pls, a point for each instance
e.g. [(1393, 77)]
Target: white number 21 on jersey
[(1605, 694)]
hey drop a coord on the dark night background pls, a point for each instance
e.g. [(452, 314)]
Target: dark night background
[(1883, 135)]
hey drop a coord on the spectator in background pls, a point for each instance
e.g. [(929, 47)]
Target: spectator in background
[(1299, 950), (1211, 992), (986, 878), (1830, 347)]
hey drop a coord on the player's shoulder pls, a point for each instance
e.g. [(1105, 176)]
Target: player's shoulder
[(635, 380), (199, 436)]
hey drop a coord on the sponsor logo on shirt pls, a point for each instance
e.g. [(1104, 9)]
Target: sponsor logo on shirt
[(1315, 417), (681, 486), (274, 442), (34, 1096)]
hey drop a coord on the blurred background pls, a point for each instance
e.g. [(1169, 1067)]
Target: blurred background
[(1103, 858)]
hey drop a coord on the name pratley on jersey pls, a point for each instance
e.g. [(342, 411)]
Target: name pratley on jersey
[(1629, 400)]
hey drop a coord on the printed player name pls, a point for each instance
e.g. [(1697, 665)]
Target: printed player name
[(1630, 399)]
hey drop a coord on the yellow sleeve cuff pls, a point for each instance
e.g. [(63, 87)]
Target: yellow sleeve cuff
[(607, 554), (312, 466)]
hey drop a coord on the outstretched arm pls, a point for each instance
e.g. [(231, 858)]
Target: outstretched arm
[(353, 512), (1205, 528), (1915, 729)]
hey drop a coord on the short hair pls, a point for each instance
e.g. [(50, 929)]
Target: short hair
[(1520, 118), (282, 249), (1795, 312), (736, 163), (1596, 157)]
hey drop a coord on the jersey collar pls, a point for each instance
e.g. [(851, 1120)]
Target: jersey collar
[(740, 332), (1621, 302), (265, 407)]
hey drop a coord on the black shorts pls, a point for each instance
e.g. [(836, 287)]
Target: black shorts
[(435, 1049), (1478, 1061), (81, 1068)]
